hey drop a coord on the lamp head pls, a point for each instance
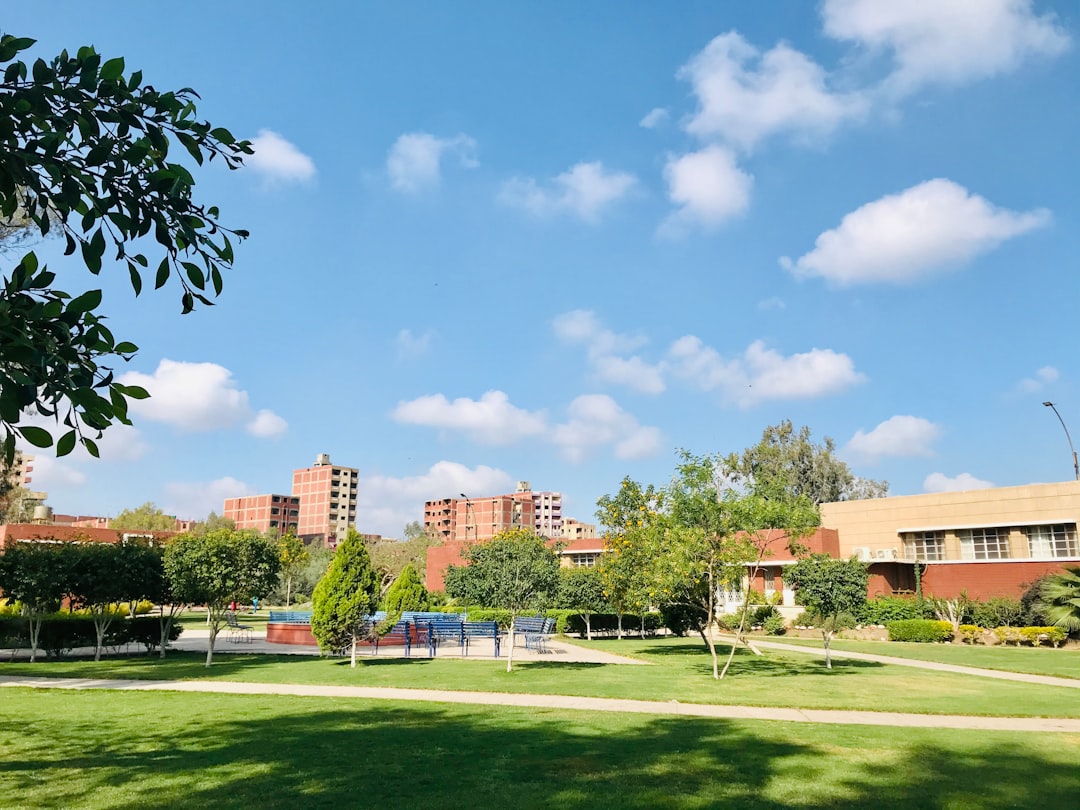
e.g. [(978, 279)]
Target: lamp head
[(1048, 404)]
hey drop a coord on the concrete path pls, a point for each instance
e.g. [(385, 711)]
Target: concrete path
[(1045, 680), (197, 640), (894, 719)]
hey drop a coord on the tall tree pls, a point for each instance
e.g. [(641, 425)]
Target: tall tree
[(829, 587), (345, 598), (407, 593), (627, 517), (788, 460), (515, 571), (85, 152), (145, 518), (582, 589), (218, 568), (99, 585), (212, 523), (294, 558)]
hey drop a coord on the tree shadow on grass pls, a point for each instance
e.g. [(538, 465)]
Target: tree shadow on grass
[(104, 750)]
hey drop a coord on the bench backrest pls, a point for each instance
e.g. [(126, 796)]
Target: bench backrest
[(533, 624), (431, 616), (480, 629), (290, 616)]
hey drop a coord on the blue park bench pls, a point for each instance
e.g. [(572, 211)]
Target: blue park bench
[(537, 630), (407, 634), (290, 617)]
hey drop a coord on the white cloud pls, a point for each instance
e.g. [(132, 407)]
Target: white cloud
[(415, 159), (267, 425), (762, 374), (386, 503), (897, 436), (195, 500), (51, 474), (708, 187), (654, 118), (490, 420), (278, 160), (586, 190), (745, 95), (198, 397), (596, 420), (1043, 377), (946, 41), (767, 304), (410, 345), (925, 229), (605, 349), (939, 482)]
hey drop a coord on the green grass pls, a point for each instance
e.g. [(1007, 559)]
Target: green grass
[(1064, 663), (169, 750), (680, 671), (197, 618)]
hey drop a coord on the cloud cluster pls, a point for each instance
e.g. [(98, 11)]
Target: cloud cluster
[(605, 350), (707, 187), (1042, 378), (904, 436), (926, 229), (414, 163), (585, 190), (593, 421), (939, 482), (199, 397), (197, 499), (278, 160)]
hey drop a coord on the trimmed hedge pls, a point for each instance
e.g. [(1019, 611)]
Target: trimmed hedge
[(606, 623), (63, 632), (885, 609), (920, 630)]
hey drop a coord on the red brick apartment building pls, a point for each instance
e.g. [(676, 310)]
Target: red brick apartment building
[(264, 513)]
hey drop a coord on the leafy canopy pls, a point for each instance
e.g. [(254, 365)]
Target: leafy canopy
[(515, 570), (85, 153), (346, 596), (143, 518)]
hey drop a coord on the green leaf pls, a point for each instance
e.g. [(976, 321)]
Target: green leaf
[(136, 279), (87, 302), (125, 348), (162, 274), (112, 69), (66, 443), (91, 447), (134, 391), (39, 437)]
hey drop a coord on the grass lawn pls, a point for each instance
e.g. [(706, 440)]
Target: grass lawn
[(164, 750), (1032, 660), (197, 618), (680, 671)]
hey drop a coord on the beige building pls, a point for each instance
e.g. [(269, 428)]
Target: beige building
[(576, 530), (327, 494)]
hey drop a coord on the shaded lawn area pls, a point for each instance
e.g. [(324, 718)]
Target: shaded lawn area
[(1063, 663), (155, 751), (680, 671)]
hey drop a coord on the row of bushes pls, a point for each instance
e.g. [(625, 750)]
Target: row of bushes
[(933, 631), (63, 632), (999, 611)]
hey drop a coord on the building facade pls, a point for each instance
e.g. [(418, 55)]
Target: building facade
[(265, 513), (328, 495)]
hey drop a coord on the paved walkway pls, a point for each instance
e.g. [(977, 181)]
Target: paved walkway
[(895, 719), (1045, 680)]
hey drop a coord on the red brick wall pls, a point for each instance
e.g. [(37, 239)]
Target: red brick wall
[(983, 580)]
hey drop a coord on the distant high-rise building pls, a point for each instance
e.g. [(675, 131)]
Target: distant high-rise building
[(576, 530), (264, 513), (469, 519), (327, 496)]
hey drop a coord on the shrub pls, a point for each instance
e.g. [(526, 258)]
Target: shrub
[(1007, 634), (1037, 635), (970, 633), (562, 617), (682, 619), (774, 625), (609, 622), (146, 630), (998, 612), (490, 615), (885, 609), (919, 630), (807, 619)]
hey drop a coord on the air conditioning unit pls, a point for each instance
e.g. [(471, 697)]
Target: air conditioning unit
[(862, 553), (885, 554)]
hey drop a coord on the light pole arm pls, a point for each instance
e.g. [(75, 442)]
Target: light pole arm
[(1068, 438)]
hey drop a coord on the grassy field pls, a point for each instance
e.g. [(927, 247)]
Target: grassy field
[(1036, 661), (680, 670), (165, 750)]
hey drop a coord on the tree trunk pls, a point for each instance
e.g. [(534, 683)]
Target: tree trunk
[(210, 649), (510, 657), (352, 659), (827, 636), (711, 641), (35, 636), (288, 591), (588, 627), (620, 626), (643, 625)]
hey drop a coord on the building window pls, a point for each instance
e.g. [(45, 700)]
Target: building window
[(274, 510), (925, 546), (770, 580), (984, 544), (1057, 540), (584, 560)]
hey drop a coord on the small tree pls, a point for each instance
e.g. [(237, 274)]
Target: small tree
[(38, 576), (582, 589), (514, 571), (345, 597), (1061, 598), (294, 558), (220, 567), (407, 593), (99, 584), (828, 587), (143, 518)]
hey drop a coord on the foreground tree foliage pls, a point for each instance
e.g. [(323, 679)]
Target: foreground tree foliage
[(38, 576), (582, 589), (515, 570), (220, 567), (1061, 598), (345, 598), (85, 153), (828, 587)]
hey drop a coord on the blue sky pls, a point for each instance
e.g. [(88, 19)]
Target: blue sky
[(555, 242)]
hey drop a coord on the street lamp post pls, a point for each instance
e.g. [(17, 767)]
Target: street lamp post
[(1076, 464)]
